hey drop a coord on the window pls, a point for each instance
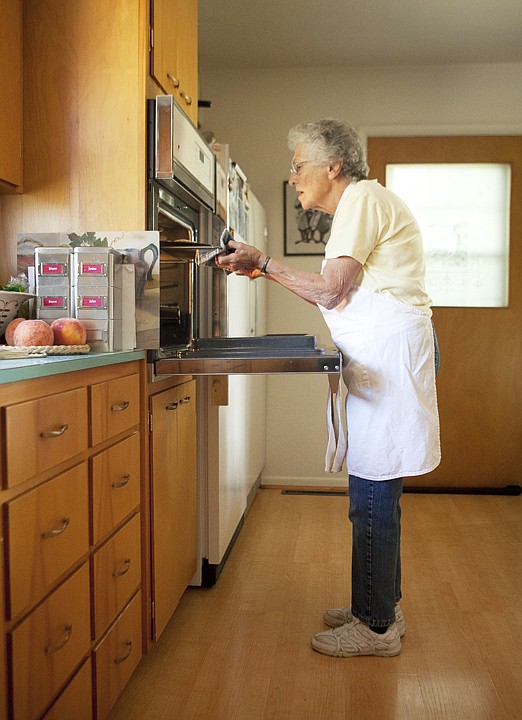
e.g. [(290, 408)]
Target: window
[(463, 212)]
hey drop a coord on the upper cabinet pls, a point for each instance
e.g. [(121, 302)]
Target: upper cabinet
[(174, 51), (10, 95)]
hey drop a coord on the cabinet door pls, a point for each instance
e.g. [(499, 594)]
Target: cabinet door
[(174, 52), (173, 498), (115, 407), (49, 644), (115, 485), (10, 95), (117, 656), (116, 574), (43, 433), (76, 700), (48, 531)]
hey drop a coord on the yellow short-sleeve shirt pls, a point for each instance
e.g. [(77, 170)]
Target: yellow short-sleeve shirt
[(375, 227)]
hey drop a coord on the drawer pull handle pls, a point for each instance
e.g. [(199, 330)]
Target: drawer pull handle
[(120, 408), (128, 644), (185, 400), (50, 649), (55, 533), (121, 483), (174, 80), (54, 433), (123, 570), (172, 406)]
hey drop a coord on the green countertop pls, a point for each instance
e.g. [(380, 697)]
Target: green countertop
[(29, 368)]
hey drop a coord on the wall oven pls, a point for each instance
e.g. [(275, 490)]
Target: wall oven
[(192, 302)]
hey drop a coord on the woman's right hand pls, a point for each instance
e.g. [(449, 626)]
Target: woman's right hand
[(245, 260)]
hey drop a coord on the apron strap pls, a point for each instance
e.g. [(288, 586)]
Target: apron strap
[(337, 445)]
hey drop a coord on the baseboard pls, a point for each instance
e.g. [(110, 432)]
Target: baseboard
[(510, 490), (333, 481)]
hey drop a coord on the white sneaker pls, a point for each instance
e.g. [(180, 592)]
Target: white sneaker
[(356, 638), (335, 617)]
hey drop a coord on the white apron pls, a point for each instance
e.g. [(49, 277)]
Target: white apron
[(389, 369)]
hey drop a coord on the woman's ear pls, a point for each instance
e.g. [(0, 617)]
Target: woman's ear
[(334, 169)]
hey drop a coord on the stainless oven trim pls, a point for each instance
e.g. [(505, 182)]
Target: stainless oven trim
[(166, 168)]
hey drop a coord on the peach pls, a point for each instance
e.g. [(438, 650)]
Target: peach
[(68, 331), (9, 331), (33, 332)]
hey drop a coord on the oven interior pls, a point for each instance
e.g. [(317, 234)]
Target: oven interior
[(177, 281)]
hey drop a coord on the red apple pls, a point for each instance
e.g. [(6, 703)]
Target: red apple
[(9, 331), (68, 331), (33, 332)]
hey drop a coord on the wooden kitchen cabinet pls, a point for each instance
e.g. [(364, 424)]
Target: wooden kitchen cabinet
[(71, 525), (49, 644), (3, 656), (115, 407), (11, 100), (116, 573), (174, 51), (86, 74), (43, 432), (76, 700), (115, 485), (117, 656), (48, 531), (173, 487)]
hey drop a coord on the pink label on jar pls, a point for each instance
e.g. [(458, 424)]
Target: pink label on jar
[(92, 269), (52, 302), (52, 269), (96, 302)]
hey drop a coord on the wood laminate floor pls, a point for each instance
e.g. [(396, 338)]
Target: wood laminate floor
[(240, 650)]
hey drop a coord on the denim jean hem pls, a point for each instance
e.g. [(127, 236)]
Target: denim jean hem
[(371, 622)]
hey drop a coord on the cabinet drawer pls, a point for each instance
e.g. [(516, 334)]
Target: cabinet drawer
[(76, 700), (49, 644), (115, 407), (43, 433), (47, 532), (115, 485), (117, 656), (117, 574)]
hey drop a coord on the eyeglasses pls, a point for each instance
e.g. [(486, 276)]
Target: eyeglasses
[(295, 168)]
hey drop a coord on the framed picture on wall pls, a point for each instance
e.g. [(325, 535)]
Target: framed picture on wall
[(306, 231)]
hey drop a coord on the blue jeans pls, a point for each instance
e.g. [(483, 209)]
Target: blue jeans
[(375, 514)]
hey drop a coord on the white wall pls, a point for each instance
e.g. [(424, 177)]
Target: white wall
[(253, 111)]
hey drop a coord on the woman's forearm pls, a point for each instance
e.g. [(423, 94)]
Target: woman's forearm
[(327, 289)]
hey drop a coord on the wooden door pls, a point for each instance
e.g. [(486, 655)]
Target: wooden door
[(174, 542), (479, 382)]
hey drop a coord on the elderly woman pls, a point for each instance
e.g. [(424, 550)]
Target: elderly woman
[(372, 296)]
